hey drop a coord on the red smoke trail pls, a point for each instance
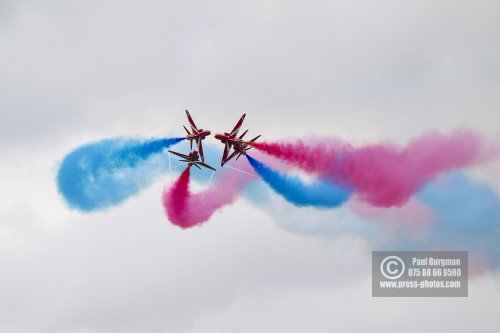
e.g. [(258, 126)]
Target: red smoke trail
[(384, 175), (311, 157), (178, 195), (186, 209)]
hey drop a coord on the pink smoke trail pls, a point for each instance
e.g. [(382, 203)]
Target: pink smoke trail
[(186, 209), (384, 175), (412, 213)]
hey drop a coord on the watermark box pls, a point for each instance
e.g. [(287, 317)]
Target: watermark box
[(419, 273)]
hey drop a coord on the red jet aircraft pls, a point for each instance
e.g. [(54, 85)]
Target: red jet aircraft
[(230, 140), (197, 135), (240, 148), (192, 159)]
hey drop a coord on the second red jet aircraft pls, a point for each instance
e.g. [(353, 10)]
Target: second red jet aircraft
[(231, 140)]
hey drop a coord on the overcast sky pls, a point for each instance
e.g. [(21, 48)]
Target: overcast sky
[(366, 71)]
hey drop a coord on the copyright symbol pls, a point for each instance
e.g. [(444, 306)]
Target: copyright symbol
[(392, 267)]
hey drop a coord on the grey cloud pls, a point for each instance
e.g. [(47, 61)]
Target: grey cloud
[(333, 67), (129, 270), (365, 70)]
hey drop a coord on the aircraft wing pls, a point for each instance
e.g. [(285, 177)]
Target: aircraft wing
[(179, 154), (200, 149), (247, 145), (205, 165), (233, 154), (238, 125), (241, 136), (253, 140), (191, 122), (224, 155)]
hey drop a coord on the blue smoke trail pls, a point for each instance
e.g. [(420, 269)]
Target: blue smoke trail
[(105, 173), (318, 194), (467, 215)]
